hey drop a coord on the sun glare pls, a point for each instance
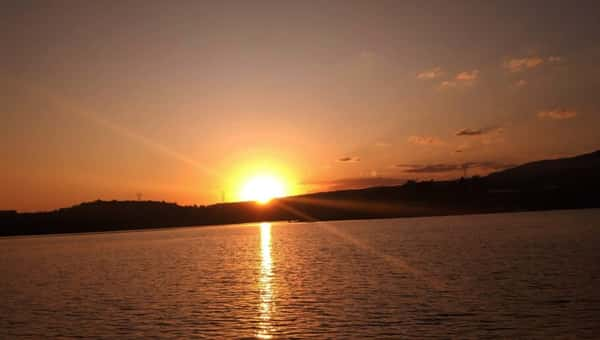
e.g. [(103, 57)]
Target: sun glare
[(262, 189)]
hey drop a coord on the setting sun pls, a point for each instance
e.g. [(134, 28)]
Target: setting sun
[(262, 189), (274, 169)]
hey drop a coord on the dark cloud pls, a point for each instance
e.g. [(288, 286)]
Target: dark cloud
[(477, 132), (348, 159), (443, 167), (358, 182), (433, 168), (488, 165), (469, 132)]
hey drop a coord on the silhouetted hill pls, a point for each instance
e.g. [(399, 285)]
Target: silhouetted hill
[(550, 184), (572, 171)]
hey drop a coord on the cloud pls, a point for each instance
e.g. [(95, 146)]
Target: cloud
[(521, 64), (358, 182), (425, 140), (477, 132), (450, 167), (448, 84), (468, 76), (430, 74), (433, 168), (348, 159), (465, 78), (489, 165), (486, 136), (557, 114), (470, 132)]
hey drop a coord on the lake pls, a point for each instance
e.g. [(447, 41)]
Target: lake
[(527, 275)]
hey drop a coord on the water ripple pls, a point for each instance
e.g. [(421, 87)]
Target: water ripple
[(531, 275)]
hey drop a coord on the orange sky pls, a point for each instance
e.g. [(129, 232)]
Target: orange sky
[(179, 100)]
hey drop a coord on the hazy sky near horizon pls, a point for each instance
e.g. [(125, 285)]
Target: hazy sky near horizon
[(175, 99)]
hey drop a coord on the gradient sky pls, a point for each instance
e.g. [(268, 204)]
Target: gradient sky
[(179, 99)]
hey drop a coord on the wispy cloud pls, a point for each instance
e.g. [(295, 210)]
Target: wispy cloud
[(452, 167), (557, 114), (355, 183), (433, 168), (477, 132), (448, 84), (430, 74), (490, 165), (521, 64), (465, 78), (470, 132), (425, 140), (348, 159), (468, 76)]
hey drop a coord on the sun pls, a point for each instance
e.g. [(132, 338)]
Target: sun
[(262, 189)]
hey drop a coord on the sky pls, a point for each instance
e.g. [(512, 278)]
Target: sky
[(181, 100)]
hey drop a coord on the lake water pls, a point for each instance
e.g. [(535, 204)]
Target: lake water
[(502, 275)]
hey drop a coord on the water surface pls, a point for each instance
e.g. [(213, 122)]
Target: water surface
[(502, 275)]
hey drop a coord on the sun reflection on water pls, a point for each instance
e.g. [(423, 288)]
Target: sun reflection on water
[(265, 328)]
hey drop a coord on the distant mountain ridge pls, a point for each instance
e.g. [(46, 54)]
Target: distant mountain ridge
[(566, 183), (561, 169)]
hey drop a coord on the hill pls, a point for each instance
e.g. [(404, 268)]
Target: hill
[(571, 171), (566, 183)]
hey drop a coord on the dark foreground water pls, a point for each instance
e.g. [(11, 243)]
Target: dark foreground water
[(505, 275)]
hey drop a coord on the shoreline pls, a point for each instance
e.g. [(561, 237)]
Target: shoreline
[(143, 229)]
